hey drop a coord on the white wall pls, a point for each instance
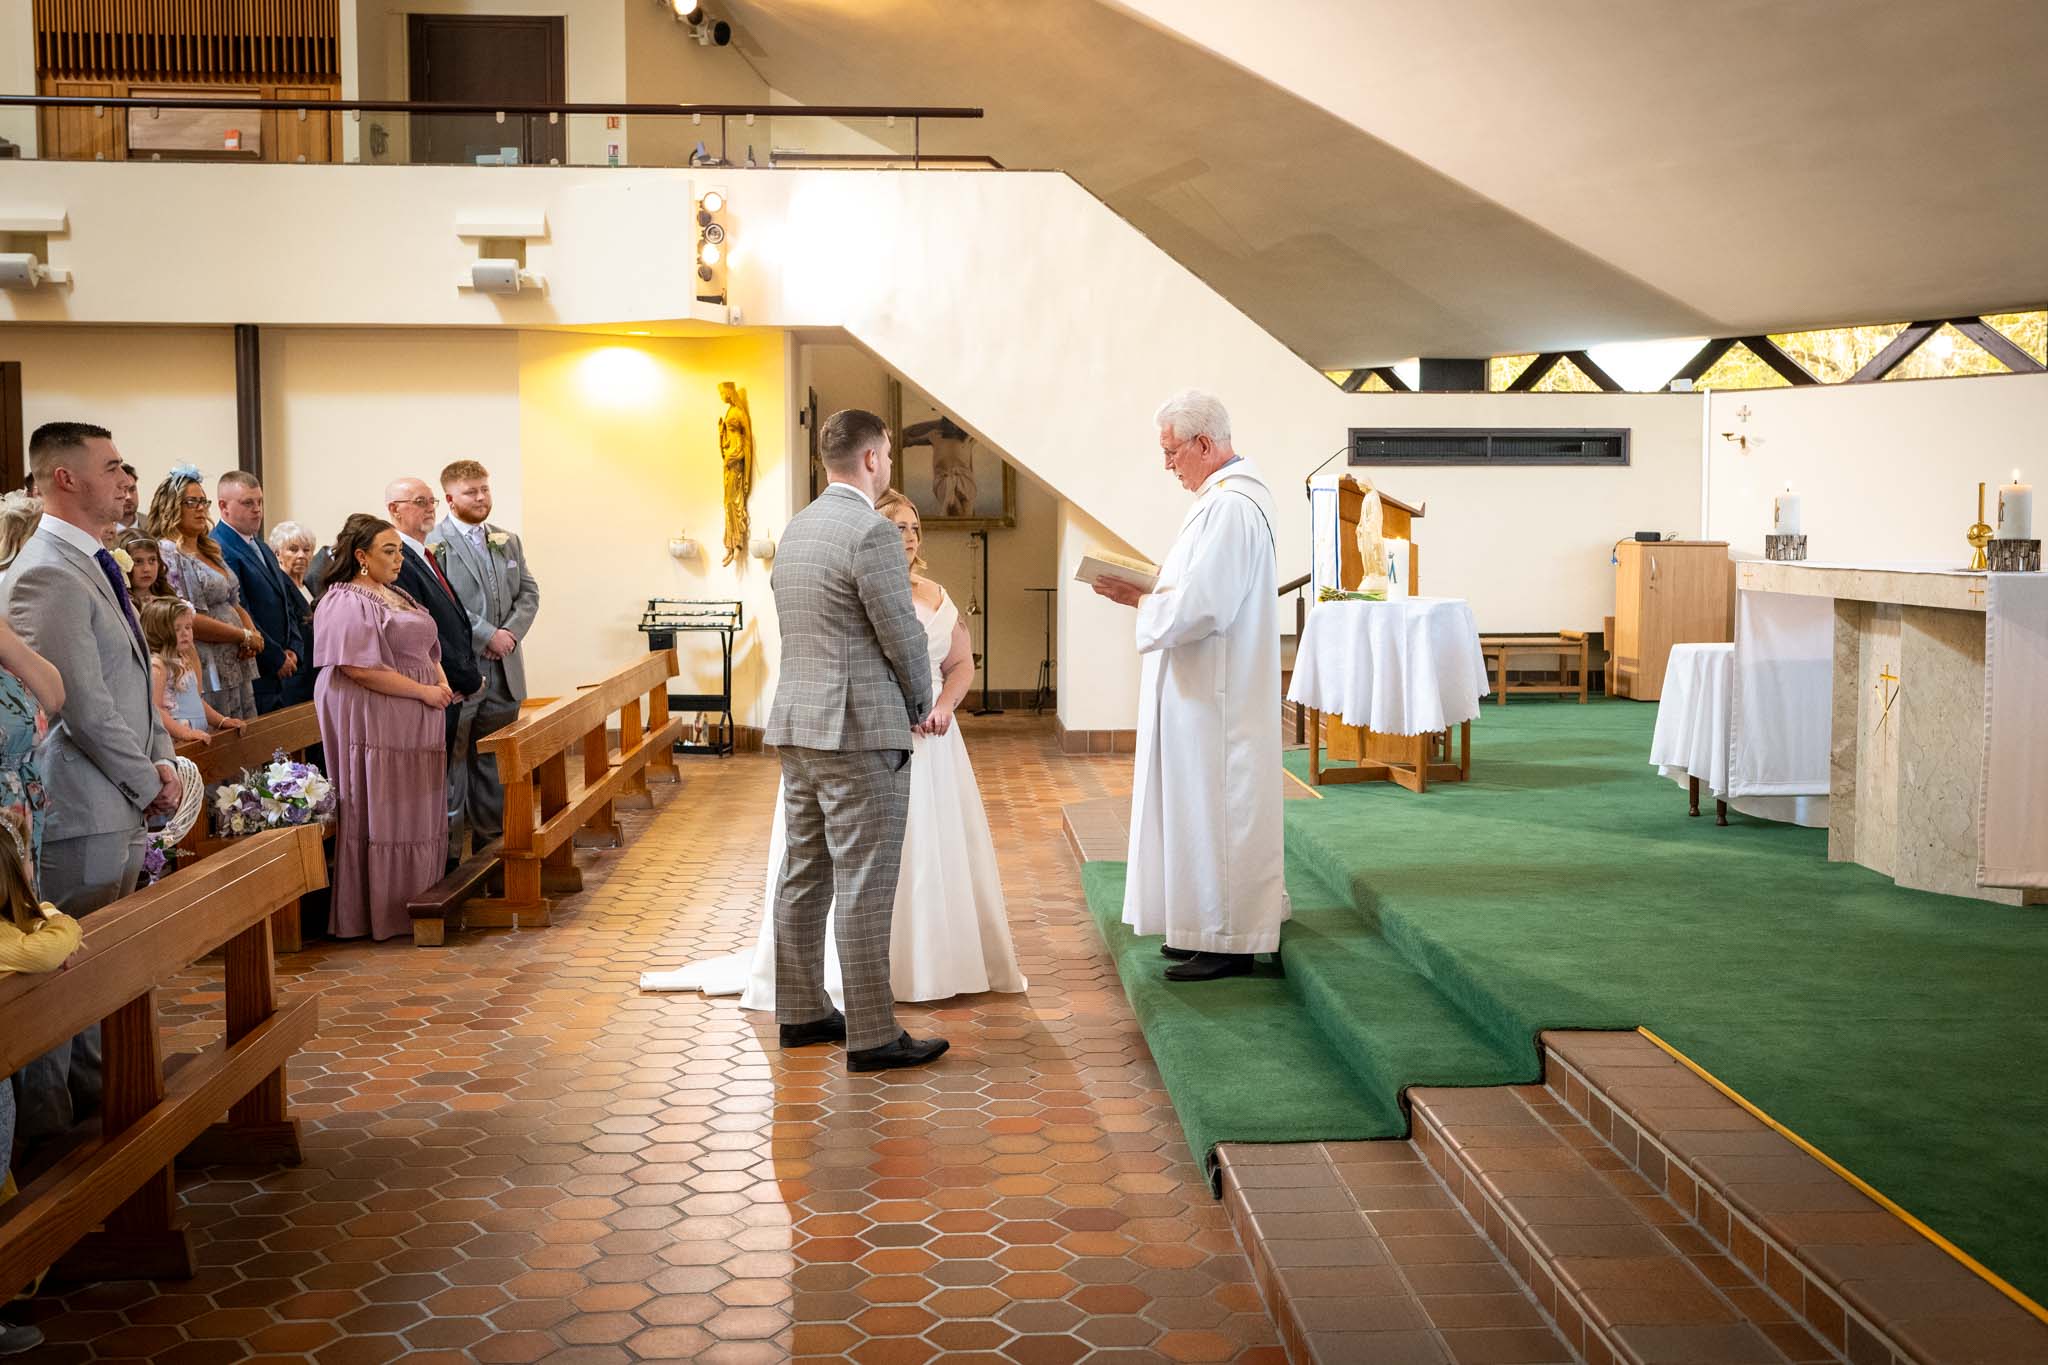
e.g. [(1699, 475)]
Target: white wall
[(1887, 472), (1098, 656)]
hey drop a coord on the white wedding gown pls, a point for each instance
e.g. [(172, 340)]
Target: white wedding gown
[(950, 934)]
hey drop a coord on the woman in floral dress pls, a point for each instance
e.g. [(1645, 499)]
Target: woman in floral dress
[(228, 641)]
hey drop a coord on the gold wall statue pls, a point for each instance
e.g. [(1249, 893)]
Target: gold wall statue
[(736, 453)]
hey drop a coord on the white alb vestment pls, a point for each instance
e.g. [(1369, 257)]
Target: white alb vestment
[(1206, 858)]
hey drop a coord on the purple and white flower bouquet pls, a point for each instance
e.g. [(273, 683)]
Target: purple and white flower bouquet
[(284, 793)]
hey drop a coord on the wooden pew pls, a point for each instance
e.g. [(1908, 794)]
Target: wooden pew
[(545, 808), (294, 729), (120, 1181)]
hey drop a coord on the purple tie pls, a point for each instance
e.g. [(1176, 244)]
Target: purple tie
[(120, 586)]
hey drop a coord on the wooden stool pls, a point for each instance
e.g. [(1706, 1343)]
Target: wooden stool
[(1498, 649)]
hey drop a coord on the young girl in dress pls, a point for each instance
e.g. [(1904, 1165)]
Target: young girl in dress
[(146, 581), (174, 673)]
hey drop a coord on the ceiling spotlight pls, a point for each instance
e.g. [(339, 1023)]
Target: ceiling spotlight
[(688, 11), (712, 201), (704, 273), (714, 232), (708, 253)]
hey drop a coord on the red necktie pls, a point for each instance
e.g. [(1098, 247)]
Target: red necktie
[(446, 587)]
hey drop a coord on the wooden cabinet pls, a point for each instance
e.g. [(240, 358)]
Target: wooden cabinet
[(1666, 593)]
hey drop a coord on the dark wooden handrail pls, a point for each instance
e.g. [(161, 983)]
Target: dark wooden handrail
[(1294, 585), (833, 111)]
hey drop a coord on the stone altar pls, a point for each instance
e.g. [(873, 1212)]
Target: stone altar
[(1907, 740)]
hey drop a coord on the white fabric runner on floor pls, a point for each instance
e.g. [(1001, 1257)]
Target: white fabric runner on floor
[(2012, 817), (1411, 666)]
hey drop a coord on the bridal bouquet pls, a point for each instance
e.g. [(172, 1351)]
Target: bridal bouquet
[(284, 793)]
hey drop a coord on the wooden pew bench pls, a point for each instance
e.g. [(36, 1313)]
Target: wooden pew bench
[(293, 730), (1568, 646), (546, 809), (111, 1200)]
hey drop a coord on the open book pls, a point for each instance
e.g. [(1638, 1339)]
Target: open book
[(1103, 564)]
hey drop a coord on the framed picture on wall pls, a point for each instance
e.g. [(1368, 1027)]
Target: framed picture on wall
[(952, 479)]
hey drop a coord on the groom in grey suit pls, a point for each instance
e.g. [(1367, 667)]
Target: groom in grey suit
[(106, 761), (487, 569), (855, 682)]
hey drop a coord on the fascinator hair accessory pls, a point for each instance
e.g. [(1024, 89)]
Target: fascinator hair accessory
[(187, 473)]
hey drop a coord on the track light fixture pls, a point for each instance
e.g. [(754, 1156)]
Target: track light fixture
[(712, 248)]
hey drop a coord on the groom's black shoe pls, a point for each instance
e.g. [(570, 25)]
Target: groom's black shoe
[(1210, 966), (1178, 954), (905, 1051), (830, 1029)]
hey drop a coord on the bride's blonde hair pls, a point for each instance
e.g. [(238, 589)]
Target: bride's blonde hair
[(890, 500)]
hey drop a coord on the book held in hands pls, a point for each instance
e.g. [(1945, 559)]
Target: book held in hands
[(1143, 574)]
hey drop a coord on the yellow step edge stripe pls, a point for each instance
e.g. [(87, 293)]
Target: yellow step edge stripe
[(1968, 1262), (1301, 784)]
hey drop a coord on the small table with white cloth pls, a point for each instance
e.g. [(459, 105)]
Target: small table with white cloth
[(1694, 743), (1404, 673)]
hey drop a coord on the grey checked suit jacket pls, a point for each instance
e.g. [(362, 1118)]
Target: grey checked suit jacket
[(855, 674), (99, 758), (508, 598)]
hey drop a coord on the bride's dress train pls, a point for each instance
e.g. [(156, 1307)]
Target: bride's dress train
[(950, 933)]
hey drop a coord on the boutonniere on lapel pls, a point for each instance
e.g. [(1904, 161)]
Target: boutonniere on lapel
[(439, 550), (124, 562), (497, 540)]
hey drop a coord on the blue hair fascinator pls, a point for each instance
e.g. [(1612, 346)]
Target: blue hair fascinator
[(188, 473)]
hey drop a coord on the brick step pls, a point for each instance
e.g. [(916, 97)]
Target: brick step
[(1363, 1258), (1620, 1270), (1870, 1286)]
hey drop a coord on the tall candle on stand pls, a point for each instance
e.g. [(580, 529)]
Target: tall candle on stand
[(2016, 510), (1785, 514)]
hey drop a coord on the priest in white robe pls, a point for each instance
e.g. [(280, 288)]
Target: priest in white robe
[(1206, 856)]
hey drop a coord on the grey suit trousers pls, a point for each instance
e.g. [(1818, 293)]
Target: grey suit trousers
[(845, 813), (476, 796), (78, 876)]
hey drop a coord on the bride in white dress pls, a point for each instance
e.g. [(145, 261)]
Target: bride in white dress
[(949, 934)]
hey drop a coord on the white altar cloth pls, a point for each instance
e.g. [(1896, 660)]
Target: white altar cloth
[(2012, 830), (1782, 716), (1693, 737), (1410, 666)]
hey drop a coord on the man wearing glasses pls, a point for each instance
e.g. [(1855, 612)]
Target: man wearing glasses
[(411, 505)]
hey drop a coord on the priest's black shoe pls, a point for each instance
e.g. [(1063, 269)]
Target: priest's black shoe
[(905, 1051), (1178, 954), (1210, 966), (830, 1029)]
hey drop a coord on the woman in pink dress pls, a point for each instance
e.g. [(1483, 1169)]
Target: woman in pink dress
[(380, 697)]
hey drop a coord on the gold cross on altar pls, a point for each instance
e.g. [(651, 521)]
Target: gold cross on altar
[(1976, 590), (1890, 694)]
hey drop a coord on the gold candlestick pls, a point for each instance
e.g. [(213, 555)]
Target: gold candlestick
[(1979, 535)]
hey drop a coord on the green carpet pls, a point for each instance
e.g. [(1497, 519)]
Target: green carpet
[(1902, 1033)]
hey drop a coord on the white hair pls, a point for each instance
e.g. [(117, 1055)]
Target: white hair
[(1191, 413), (287, 533)]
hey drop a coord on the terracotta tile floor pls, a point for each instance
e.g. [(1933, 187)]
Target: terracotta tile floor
[(512, 1155)]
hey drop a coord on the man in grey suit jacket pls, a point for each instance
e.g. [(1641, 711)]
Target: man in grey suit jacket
[(487, 568), (855, 682), (106, 761)]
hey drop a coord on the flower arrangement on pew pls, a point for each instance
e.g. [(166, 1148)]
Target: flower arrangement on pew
[(284, 793)]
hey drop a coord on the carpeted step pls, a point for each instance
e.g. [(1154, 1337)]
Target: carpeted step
[(1390, 1024), (1623, 1273), (1241, 1061)]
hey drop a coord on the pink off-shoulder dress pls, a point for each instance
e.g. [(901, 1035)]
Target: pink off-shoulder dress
[(386, 758)]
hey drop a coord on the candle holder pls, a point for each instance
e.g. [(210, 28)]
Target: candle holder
[(1979, 535), (2014, 556), (1789, 548)]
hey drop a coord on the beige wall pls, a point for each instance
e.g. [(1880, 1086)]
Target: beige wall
[(665, 65), (1886, 472), (18, 71), (1020, 558), (167, 394), (1098, 659), (620, 452)]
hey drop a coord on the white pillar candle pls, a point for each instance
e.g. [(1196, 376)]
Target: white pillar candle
[(1785, 514), (2015, 510)]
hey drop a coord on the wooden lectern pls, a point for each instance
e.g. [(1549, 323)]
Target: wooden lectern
[(1411, 760)]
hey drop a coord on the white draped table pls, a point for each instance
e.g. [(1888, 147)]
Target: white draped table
[(1694, 743), (1405, 672)]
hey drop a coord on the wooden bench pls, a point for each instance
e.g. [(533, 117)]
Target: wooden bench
[(120, 1180), (545, 810), (1567, 645), (294, 730)]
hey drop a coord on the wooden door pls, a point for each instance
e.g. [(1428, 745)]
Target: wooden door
[(313, 138), (486, 59), (1627, 645), (13, 444), (85, 134)]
